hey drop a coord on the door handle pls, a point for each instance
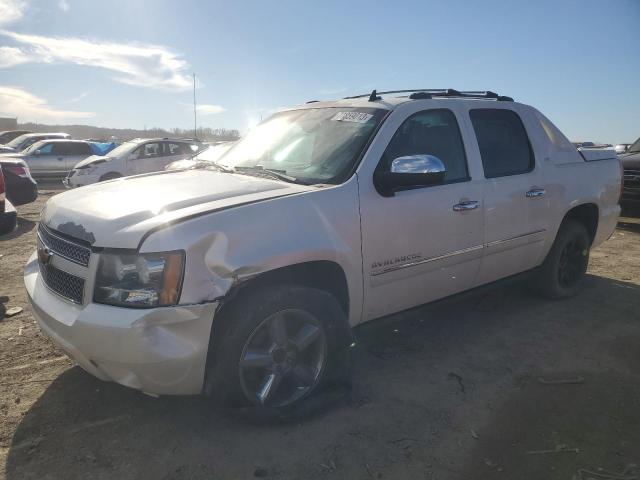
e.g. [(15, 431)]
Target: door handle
[(60, 159), (536, 192), (464, 206)]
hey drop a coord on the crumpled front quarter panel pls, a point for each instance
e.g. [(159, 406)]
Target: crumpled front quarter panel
[(230, 246)]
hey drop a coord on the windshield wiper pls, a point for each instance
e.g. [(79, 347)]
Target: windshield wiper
[(259, 169), (204, 164)]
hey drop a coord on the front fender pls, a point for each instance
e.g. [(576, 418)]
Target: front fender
[(228, 247)]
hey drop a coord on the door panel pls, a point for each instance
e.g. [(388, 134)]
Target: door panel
[(173, 151), (416, 246), (76, 152), (43, 163), (516, 202), (515, 226), (149, 157)]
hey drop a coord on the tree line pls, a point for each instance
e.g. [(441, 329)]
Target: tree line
[(123, 134)]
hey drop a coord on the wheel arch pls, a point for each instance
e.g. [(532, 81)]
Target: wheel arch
[(588, 214), (111, 175), (324, 275)]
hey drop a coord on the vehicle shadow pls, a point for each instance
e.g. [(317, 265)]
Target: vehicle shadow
[(629, 226), (3, 299), (23, 226), (423, 380)]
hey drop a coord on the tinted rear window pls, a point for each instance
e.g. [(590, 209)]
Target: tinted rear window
[(503, 142)]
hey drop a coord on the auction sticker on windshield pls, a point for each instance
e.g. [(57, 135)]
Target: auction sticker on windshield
[(357, 117)]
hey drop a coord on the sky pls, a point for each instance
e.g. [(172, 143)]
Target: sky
[(129, 63)]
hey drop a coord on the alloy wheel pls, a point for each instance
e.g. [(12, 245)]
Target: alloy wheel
[(283, 358), (572, 265)]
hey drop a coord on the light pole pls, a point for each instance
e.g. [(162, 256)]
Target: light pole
[(195, 118)]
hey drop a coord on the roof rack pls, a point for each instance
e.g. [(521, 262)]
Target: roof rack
[(426, 93)]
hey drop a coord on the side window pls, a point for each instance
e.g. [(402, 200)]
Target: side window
[(29, 142), (61, 148), (149, 150), (431, 132), (77, 148), (503, 142), (176, 149), (46, 149)]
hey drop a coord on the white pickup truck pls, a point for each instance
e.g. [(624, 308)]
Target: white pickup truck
[(243, 279)]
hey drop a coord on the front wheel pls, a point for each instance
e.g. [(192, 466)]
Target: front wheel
[(564, 268), (276, 348)]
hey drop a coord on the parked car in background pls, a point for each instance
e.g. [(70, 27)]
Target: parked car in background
[(244, 281), (54, 157), (206, 157), (621, 147), (591, 145), (141, 155), (631, 165), (8, 213), (20, 186), (23, 141), (8, 135)]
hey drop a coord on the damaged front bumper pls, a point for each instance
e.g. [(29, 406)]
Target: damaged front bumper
[(160, 351)]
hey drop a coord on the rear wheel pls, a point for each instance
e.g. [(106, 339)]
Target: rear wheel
[(109, 176), (566, 264), (275, 348)]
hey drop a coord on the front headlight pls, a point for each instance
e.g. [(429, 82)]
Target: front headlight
[(85, 171), (144, 280)]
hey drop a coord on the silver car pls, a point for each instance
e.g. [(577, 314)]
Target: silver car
[(20, 143), (54, 158)]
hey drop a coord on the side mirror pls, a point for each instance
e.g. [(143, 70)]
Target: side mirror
[(37, 152), (410, 171)]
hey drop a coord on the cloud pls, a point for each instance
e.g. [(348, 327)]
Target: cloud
[(17, 102), (64, 5), (140, 65), (206, 109), (11, 11), (11, 56), (77, 98)]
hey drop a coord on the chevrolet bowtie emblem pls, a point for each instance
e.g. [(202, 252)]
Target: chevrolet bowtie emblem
[(44, 255)]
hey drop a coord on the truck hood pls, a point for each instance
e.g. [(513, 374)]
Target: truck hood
[(92, 160), (118, 213)]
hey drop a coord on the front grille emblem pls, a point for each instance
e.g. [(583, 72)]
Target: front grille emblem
[(44, 255)]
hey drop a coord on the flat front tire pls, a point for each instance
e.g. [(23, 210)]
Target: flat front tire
[(276, 347)]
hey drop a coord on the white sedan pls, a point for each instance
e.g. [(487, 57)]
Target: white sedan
[(141, 155)]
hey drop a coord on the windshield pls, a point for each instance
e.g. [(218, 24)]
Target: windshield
[(123, 149), (34, 146), (213, 153), (15, 143), (635, 147), (316, 145)]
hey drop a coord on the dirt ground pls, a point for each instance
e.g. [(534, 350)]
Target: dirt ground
[(493, 384)]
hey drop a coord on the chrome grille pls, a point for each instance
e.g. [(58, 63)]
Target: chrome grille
[(72, 251), (63, 283)]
